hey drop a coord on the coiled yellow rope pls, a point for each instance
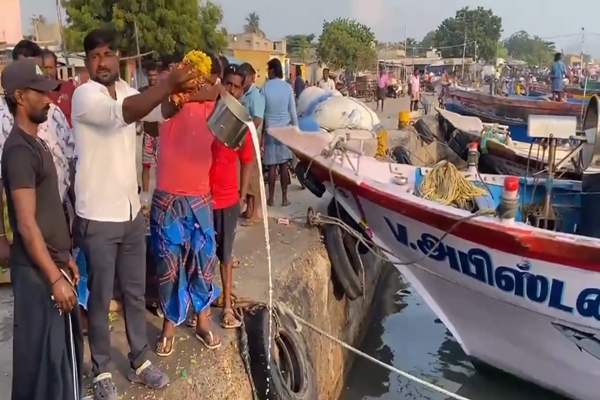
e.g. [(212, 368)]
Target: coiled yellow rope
[(446, 185)]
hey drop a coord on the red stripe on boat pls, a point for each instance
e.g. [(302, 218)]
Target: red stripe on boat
[(509, 239)]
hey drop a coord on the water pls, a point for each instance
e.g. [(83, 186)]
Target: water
[(405, 333)]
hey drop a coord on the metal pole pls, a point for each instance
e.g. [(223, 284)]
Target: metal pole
[(463, 57), (405, 50), (582, 45), (138, 61)]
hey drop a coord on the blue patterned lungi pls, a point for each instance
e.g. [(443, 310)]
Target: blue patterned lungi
[(183, 242), (82, 289)]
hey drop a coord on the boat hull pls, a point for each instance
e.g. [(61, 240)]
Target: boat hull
[(506, 110), (509, 332)]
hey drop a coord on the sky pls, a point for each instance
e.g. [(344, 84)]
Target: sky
[(390, 19)]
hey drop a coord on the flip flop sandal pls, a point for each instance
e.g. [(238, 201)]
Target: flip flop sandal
[(250, 222), (214, 345), (191, 322), (236, 263), (232, 325), (165, 346)]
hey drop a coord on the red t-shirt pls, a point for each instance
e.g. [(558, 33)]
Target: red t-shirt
[(184, 155), (224, 171), (62, 98)]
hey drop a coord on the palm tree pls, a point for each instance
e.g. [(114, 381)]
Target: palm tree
[(35, 20), (253, 24)]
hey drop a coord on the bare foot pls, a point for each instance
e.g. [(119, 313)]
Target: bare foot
[(285, 202), (270, 202)]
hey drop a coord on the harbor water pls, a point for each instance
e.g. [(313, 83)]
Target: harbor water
[(404, 332)]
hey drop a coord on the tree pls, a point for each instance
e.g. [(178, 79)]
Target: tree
[(531, 49), (347, 44), (501, 51), (478, 27), (412, 46), (35, 21), (164, 27), (298, 45), (212, 36), (253, 24), (428, 41)]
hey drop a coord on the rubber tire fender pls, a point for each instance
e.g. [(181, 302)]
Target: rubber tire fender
[(269, 382), (341, 262), (309, 181), (336, 210)]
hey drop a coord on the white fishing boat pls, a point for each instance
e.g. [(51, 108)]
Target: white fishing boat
[(520, 298), (503, 155)]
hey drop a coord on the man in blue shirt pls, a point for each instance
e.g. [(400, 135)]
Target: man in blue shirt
[(558, 72), (254, 102)]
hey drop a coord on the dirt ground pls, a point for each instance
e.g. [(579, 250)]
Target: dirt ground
[(197, 373)]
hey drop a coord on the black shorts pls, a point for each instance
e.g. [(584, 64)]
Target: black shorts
[(225, 221)]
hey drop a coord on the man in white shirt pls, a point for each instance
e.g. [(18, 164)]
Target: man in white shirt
[(110, 228), (326, 83)]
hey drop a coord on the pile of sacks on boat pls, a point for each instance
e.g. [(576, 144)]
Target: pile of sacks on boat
[(329, 113)]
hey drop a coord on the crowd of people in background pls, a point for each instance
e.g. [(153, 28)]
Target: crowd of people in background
[(79, 217)]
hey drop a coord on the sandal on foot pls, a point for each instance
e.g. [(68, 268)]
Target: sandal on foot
[(165, 346), (235, 263), (229, 323), (250, 222), (213, 341), (191, 322)]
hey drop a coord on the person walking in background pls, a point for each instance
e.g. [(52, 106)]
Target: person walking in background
[(181, 222), (326, 83), (280, 111), (227, 197), (558, 72), (63, 94), (299, 84), (47, 339), (150, 139), (415, 90), (110, 229), (254, 102), (382, 82)]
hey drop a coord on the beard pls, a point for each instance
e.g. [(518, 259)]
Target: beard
[(105, 77), (40, 116)]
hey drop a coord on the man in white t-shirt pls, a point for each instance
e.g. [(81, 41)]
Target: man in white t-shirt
[(326, 83)]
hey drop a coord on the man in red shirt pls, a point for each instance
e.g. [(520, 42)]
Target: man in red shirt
[(64, 93), (226, 197)]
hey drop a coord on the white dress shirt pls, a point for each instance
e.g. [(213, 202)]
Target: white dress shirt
[(106, 186), (57, 134), (327, 84)]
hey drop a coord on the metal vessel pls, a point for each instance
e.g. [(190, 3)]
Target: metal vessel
[(229, 121)]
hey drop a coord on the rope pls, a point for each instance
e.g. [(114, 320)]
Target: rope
[(491, 133), (390, 368), (445, 184)]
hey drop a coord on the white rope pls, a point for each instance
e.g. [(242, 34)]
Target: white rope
[(390, 368)]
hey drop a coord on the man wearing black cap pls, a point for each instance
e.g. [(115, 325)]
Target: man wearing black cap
[(47, 339)]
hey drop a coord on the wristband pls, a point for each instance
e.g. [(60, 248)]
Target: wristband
[(56, 281)]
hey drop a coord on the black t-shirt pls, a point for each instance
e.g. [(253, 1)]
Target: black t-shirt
[(151, 128), (27, 163)]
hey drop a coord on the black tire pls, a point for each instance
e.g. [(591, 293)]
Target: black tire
[(369, 96), (335, 209), (290, 375), (401, 155), (424, 131), (308, 180), (344, 272)]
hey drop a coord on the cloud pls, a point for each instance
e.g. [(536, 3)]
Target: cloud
[(369, 12)]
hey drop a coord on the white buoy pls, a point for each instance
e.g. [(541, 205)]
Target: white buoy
[(509, 199), (472, 158)]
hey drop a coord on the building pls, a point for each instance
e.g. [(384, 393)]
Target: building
[(10, 21), (256, 50)]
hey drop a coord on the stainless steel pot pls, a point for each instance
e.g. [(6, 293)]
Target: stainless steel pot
[(229, 121)]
